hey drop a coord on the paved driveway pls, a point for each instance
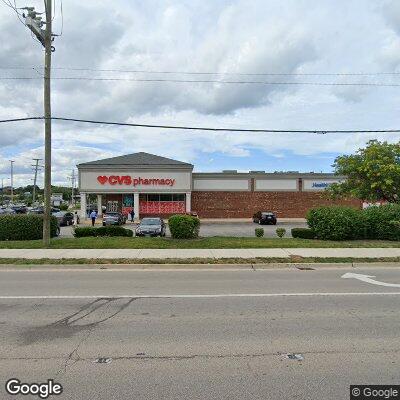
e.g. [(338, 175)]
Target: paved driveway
[(245, 229), (237, 229)]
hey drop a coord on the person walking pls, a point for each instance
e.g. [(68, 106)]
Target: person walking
[(93, 216), (75, 218), (132, 214)]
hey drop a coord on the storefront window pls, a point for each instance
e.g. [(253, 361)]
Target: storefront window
[(178, 197), (162, 203), (127, 200)]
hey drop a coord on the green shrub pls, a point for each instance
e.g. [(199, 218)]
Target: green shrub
[(259, 232), (382, 222), (280, 232), (337, 223), (63, 207), (102, 231), (184, 226), (303, 233), (85, 231), (25, 227)]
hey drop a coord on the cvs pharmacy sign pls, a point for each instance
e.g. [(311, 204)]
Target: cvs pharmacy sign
[(128, 180)]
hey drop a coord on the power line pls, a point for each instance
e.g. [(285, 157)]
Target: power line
[(213, 81), (21, 119), (199, 128), (139, 71), (15, 8)]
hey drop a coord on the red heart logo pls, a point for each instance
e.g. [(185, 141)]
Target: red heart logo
[(102, 179)]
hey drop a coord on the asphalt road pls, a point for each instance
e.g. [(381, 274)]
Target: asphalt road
[(199, 334), (238, 229)]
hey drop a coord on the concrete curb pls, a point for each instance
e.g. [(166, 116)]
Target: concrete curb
[(197, 267)]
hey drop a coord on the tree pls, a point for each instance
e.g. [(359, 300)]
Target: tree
[(373, 173)]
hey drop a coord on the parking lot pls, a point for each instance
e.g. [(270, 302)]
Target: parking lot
[(224, 228)]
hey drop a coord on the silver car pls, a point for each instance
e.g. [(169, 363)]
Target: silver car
[(151, 227), (113, 218), (6, 211)]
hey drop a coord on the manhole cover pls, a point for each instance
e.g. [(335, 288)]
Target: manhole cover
[(103, 360), (293, 356)]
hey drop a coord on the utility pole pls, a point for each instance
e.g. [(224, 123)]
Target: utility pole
[(34, 22), (12, 180), (72, 187), (47, 125), (36, 166), (2, 191)]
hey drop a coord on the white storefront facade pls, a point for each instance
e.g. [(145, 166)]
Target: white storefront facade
[(146, 183)]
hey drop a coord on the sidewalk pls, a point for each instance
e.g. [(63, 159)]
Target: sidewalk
[(198, 253)]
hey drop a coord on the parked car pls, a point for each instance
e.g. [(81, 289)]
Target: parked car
[(40, 210), (6, 211), (19, 208), (264, 218), (151, 227), (65, 218), (113, 218)]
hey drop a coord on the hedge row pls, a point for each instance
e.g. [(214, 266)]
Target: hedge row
[(89, 231), (346, 223), (25, 227), (184, 226), (303, 233)]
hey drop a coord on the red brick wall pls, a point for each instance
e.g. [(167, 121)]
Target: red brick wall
[(245, 204)]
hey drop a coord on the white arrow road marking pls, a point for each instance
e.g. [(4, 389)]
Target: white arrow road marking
[(367, 278)]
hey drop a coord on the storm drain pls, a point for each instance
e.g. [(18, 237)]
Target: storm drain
[(102, 360), (294, 356), (305, 268)]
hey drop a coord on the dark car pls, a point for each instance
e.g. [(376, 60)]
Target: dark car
[(265, 218), (19, 208), (65, 218), (40, 210), (113, 218), (151, 227)]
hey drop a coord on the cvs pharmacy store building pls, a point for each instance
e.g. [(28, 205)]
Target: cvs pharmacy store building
[(157, 186), (146, 183)]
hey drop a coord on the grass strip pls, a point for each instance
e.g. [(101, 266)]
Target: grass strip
[(257, 260)]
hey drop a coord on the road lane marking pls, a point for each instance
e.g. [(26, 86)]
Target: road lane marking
[(368, 279), (195, 296)]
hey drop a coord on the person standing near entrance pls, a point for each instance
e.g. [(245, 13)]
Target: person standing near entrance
[(75, 218), (132, 214), (93, 216)]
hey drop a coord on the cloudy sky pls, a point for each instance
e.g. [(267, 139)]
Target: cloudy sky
[(228, 38)]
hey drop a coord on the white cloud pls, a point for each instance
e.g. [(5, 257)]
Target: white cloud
[(223, 36)]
